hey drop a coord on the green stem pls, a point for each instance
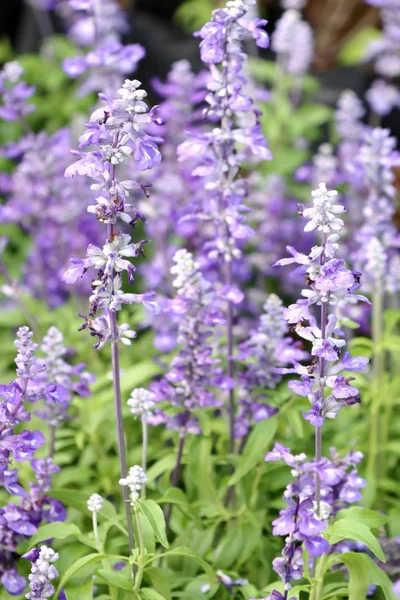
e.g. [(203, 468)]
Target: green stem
[(142, 552), (318, 583), (100, 549), (144, 452), (378, 367)]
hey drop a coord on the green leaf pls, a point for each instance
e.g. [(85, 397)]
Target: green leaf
[(192, 14), (310, 115), (56, 530), (149, 594), (347, 529), (158, 581), (255, 449), (363, 571), (187, 553), (120, 580), (370, 518), (174, 496), (83, 591), (354, 51), (155, 517), (391, 318), (81, 563), (166, 463)]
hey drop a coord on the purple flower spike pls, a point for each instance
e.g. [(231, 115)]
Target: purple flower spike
[(301, 521)]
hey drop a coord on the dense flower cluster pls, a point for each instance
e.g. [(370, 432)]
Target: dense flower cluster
[(378, 240), (267, 348), (194, 370), (116, 133), (20, 521), (293, 42), (99, 24), (386, 50), (95, 503), (216, 155), (43, 572), (134, 481), (299, 521), (38, 198), (330, 282), (174, 194), (349, 125), (14, 93), (141, 403)]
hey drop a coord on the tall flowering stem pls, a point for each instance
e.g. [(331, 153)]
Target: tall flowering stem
[(218, 154), (194, 371), (18, 522), (376, 254), (299, 522), (116, 133), (330, 283)]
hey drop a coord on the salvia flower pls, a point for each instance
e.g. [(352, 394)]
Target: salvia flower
[(227, 581), (194, 370), (348, 117), (20, 521), (377, 240), (43, 573), (385, 51), (14, 93), (116, 134), (383, 97), (174, 194), (95, 503), (99, 25), (267, 348), (330, 282), (216, 155), (293, 43), (43, 203), (299, 520), (141, 403), (134, 480)]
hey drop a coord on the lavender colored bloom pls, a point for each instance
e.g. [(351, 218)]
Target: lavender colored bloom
[(43, 572), (330, 283), (385, 51), (383, 97), (14, 93), (267, 348), (116, 134), (50, 209), (228, 582), (340, 487), (194, 370), (377, 240), (239, 135), (350, 128), (99, 25), (175, 192), (215, 155), (293, 43), (17, 522)]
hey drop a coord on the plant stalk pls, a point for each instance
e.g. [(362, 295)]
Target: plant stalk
[(144, 452), (231, 399), (176, 473), (142, 551), (120, 426), (378, 368)]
